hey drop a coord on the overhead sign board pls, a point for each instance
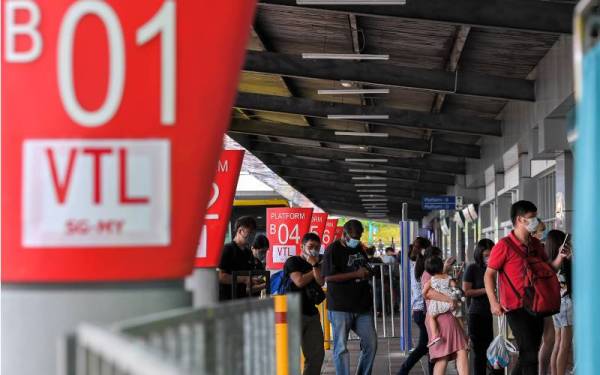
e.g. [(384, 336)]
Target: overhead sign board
[(219, 207), (112, 125), (285, 229), (432, 203), (328, 234)]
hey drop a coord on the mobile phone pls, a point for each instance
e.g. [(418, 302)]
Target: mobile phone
[(562, 247)]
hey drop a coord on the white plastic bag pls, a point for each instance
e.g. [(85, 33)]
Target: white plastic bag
[(498, 353)]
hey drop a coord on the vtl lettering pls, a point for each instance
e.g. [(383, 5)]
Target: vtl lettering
[(97, 154)]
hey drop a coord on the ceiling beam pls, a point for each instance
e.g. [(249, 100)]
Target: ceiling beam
[(447, 167), (554, 17), (398, 117), (460, 40), (383, 73), (322, 135), (340, 166)]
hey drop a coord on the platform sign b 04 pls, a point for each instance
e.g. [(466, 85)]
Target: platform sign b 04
[(112, 123), (285, 229), (219, 208)]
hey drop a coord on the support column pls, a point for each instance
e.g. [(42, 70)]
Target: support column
[(203, 283)]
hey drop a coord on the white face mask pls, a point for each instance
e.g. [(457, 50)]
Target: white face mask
[(532, 224)]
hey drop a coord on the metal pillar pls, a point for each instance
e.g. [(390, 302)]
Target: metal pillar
[(587, 200)]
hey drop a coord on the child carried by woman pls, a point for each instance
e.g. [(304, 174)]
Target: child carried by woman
[(442, 283)]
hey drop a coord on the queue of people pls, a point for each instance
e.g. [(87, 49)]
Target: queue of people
[(347, 269)]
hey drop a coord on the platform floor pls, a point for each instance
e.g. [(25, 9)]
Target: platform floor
[(388, 361)]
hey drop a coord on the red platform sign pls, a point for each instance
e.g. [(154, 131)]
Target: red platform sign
[(219, 208), (113, 115), (328, 234), (317, 223), (285, 229)]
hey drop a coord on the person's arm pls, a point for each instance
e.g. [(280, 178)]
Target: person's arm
[(227, 278), (562, 255), (302, 280), (448, 264), (361, 273), (489, 280), (431, 294), (470, 292), (318, 277)]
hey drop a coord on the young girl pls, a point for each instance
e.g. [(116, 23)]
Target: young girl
[(440, 282)]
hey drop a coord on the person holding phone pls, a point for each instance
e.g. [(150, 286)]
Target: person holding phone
[(558, 242)]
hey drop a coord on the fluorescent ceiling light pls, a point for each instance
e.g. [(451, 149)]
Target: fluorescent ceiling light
[(353, 91), (371, 196), (342, 56), (379, 212), (352, 170), (369, 178), (374, 199), (371, 191), (353, 147), (358, 117), (364, 134), (352, 160), (370, 185)]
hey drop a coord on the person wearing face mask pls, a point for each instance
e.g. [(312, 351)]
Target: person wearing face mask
[(305, 272), (417, 268), (259, 251), (479, 317), (507, 262), (349, 299), (237, 256)]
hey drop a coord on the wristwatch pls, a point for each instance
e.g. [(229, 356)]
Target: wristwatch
[(316, 265)]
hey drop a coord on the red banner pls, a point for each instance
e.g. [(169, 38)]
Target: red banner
[(328, 234), (113, 115), (317, 223), (219, 209), (285, 229)]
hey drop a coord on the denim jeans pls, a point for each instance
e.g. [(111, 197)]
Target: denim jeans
[(362, 325)]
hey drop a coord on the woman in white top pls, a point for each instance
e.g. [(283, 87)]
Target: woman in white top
[(417, 267)]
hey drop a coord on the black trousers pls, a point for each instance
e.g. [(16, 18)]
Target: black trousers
[(528, 331), (481, 334), (421, 349)]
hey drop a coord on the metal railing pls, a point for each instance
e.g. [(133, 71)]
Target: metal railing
[(229, 338)]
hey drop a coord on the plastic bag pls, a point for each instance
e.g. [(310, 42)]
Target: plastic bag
[(499, 351)]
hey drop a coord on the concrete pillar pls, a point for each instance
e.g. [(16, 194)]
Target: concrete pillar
[(203, 283), (36, 317), (564, 191)]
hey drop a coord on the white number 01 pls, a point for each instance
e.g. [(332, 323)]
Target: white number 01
[(162, 23)]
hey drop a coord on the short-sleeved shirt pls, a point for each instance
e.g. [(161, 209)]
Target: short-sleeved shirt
[(507, 262), (353, 296), (233, 258), (298, 264), (474, 275)]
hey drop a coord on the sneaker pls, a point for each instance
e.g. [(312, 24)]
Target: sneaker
[(434, 341)]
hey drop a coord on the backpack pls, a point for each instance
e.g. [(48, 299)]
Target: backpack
[(541, 296), (280, 283)]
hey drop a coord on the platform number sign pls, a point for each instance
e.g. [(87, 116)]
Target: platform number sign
[(219, 208), (112, 124), (285, 229), (328, 234)]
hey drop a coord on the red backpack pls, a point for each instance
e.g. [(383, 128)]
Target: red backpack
[(542, 289)]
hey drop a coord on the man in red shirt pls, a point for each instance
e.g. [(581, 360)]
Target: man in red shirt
[(505, 263)]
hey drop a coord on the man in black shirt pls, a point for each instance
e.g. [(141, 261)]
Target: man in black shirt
[(236, 256), (305, 273), (349, 299)]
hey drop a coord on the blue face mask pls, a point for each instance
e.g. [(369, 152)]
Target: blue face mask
[(352, 243)]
